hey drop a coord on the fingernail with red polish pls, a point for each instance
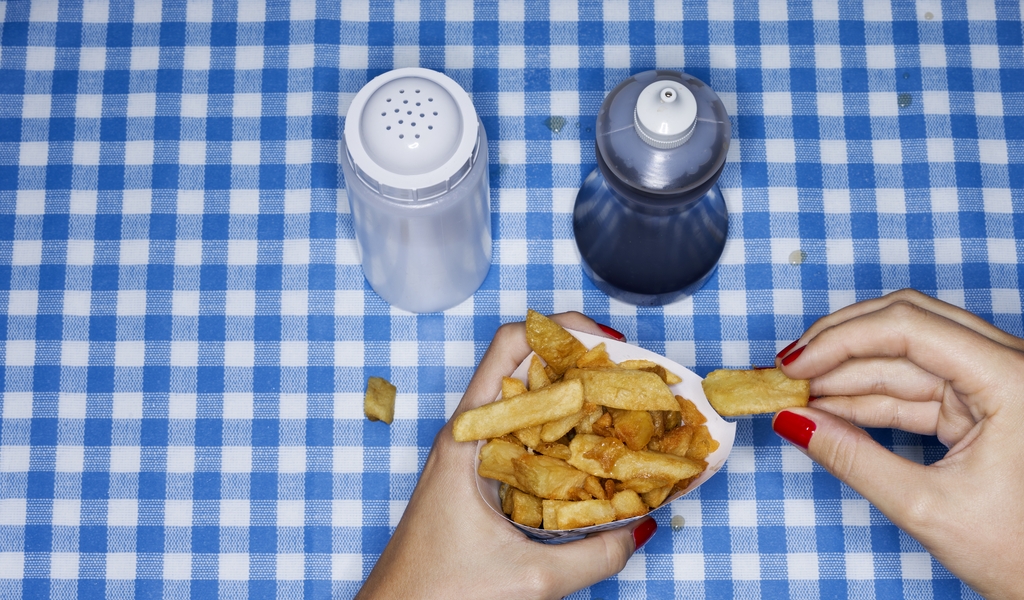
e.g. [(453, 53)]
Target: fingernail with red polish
[(611, 332), (794, 428), (812, 398), (643, 532), (795, 355), (786, 349)]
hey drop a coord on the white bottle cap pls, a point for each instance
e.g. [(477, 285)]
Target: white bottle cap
[(665, 114), (412, 134)]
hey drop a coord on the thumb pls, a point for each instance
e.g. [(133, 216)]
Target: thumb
[(896, 486), (597, 557)]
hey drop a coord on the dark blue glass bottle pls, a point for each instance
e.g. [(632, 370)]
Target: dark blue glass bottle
[(650, 221)]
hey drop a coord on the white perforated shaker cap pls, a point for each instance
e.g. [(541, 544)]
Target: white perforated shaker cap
[(665, 114), (412, 134)]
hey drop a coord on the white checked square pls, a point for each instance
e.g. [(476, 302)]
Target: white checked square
[(291, 513), (775, 57), (346, 252), (616, 57), (92, 59), (989, 104), (460, 354), (512, 104), (145, 58), (888, 152), (346, 513), (135, 252), (565, 252), (683, 352), (856, 513), (802, 565), (43, 12), (298, 152), (297, 202), (667, 56), (177, 566), (80, 252), (743, 513), (233, 567), (36, 154), (635, 569), (83, 202), (17, 405), (20, 353), (129, 354), (984, 56), (945, 200), (916, 565), (780, 151), (799, 512), (511, 57), (291, 567), (794, 461), (292, 406), (237, 405), (181, 406), (890, 200), (242, 252), (239, 354), (1002, 251), (933, 56), (178, 513), (295, 302), (197, 58), (126, 405), (935, 102), (732, 302), (27, 252), (565, 57), (188, 252), (22, 302), (247, 105), (860, 566), (347, 567), (185, 303), (240, 303), (31, 202), (291, 459), (14, 459), (689, 566), (37, 106), (40, 58), (193, 105), (746, 567), (404, 459), (236, 459), (303, 10), (348, 354), (458, 57), (839, 251), (512, 152), (782, 248), (396, 508), (234, 513), (1006, 301), (348, 459), (300, 56), (294, 354), (992, 152), (185, 354), (948, 251), (565, 152), (880, 57), (299, 104), (778, 103), (199, 11), (66, 512), (830, 104), (181, 459), (74, 354), (123, 512), (404, 354), (893, 252), (828, 57), (510, 10), (787, 302), (295, 252), (512, 302), (565, 103), (70, 459), (833, 152), (150, 13), (63, 565), (245, 153), (722, 57), (121, 565), (741, 460), (356, 57)]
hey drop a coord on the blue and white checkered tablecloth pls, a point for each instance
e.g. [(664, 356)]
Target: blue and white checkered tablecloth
[(186, 331)]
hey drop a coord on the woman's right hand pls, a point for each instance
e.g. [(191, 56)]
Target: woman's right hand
[(911, 362)]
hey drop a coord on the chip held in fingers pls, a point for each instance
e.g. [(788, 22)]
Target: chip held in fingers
[(601, 462), (735, 393)]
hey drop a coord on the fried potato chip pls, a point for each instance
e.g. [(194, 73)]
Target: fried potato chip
[(559, 349), (734, 393), (511, 387), (596, 357), (606, 452), (547, 477), (536, 375), (593, 486), (496, 460), (634, 427), (701, 445), (643, 485), (530, 436), (676, 441), (691, 415), (554, 450), (650, 366), (673, 418), (506, 498), (603, 426), (627, 504), (525, 410), (573, 515), (624, 388), (549, 508), (655, 497), (632, 464), (591, 413), (526, 509), (379, 403), (553, 430)]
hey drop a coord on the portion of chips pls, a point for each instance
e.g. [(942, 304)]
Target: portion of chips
[(734, 393), (626, 445), (379, 403)]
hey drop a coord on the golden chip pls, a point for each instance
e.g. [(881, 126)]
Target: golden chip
[(627, 504), (734, 393), (624, 388), (536, 375), (548, 477), (596, 357), (496, 460), (525, 410), (526, 509), (379, 403), (572, 515), (554, 344)]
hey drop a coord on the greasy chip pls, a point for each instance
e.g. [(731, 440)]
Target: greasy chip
[(379, 403), (536, 375), (554, 344), (526, 509), (734, 393), (624, 388), (547, 477), (525, 410)]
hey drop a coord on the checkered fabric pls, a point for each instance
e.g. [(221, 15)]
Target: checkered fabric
[(186, 331)]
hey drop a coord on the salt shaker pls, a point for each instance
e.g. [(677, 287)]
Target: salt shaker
[(414, 154), (650, 221)]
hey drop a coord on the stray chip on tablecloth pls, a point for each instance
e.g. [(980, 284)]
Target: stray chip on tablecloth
[(379, 404)]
